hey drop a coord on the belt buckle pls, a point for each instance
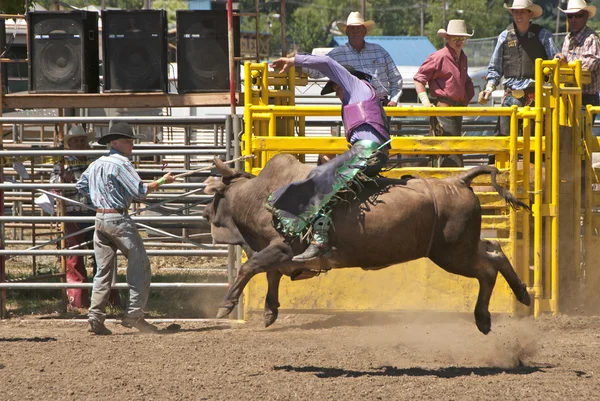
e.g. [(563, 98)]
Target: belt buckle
[(518, 94)]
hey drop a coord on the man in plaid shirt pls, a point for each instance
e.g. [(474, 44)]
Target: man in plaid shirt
[(582, 43), (369, 58)]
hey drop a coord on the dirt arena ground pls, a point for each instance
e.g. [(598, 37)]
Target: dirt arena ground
[(306, 357)]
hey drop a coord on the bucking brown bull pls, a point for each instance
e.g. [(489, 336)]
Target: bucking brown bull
[(388, 222)]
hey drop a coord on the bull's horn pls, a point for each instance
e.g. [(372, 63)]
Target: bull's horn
[(225, 170)]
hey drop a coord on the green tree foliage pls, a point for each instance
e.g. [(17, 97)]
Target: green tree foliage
[(397, 17), (308, 28), (12, 6), (171, 6), (308, 22), (486, 18), (122, 4)]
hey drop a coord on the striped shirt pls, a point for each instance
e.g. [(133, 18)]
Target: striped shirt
[(111, 182), (585, 46), (373, 60), (495, 69)]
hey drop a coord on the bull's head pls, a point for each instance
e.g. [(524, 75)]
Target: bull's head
[(220, 212)]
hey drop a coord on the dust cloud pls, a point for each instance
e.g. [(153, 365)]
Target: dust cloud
[(448, 340)]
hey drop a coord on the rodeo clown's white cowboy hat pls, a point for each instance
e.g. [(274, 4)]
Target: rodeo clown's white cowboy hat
[(356, 19), (456, 27), (534, 9), (574, 6), (76, 131)]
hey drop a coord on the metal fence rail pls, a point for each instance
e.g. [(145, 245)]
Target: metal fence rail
[(83, 252), (118, 286), (181, 157)]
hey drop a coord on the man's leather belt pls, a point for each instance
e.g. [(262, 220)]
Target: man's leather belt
[(109, 210), (448, 101), (520, 93)]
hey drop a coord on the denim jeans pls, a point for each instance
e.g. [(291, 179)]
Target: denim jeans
[(447, 126), (114, 232), (504, 122)]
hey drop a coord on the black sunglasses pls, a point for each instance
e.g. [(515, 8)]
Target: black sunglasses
[(577, 16)]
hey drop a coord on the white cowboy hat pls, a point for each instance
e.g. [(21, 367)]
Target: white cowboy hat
[(574, 6), (456, 27), (536, 11), (356, 19), (75, 131)]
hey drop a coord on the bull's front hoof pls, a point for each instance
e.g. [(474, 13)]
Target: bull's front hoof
[(523, 296), (484, 325), (223, 312), (270, 318)]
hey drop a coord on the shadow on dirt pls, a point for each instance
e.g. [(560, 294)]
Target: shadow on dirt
[(172, 329), (390, 371), (28, 340), (366, 318), (175, 330)]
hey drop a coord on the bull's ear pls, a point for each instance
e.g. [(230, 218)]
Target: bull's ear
[(225, 170), (214, 185)]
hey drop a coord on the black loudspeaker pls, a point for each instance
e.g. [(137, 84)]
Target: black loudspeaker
[(135, 51), (63, 51), (202, 51)]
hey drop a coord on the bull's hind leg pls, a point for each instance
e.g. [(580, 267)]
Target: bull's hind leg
[(490, 261), (272, 299), (486, 275), (500, 262), (265, 260)]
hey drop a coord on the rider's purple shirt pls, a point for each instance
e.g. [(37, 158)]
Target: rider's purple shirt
[(355, 90)]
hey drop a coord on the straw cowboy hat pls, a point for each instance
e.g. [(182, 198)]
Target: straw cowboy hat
[(456, 27), (574, 6), (76, 131), (356, 19), (536, 11), (117, 131)]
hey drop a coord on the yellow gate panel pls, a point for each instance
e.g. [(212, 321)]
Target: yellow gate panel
[(552, 131), (416, 285)]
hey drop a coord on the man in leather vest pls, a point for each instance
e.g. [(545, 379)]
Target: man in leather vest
[(514, 59)]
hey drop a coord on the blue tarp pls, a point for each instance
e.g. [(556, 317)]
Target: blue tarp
[(405, 50)]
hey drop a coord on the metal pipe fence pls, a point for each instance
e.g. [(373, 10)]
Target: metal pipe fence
[(39, 162), (117, 286), (84, 252)]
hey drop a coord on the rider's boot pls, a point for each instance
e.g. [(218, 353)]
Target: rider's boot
[(319, 245)]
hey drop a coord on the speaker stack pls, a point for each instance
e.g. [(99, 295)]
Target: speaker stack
[(135, 51), (202, 50), (63, 52)]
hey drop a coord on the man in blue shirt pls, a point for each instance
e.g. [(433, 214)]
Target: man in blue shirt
[(514, 58), (112, 183)]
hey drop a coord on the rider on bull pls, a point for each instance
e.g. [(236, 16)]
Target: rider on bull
[(304, 207)]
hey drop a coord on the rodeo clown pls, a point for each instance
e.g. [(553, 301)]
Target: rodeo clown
[(303, 208)]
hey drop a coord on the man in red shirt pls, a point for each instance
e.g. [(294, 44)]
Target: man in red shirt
[(445, 71)]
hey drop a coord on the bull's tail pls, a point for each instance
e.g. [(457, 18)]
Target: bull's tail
[(470, 175)]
